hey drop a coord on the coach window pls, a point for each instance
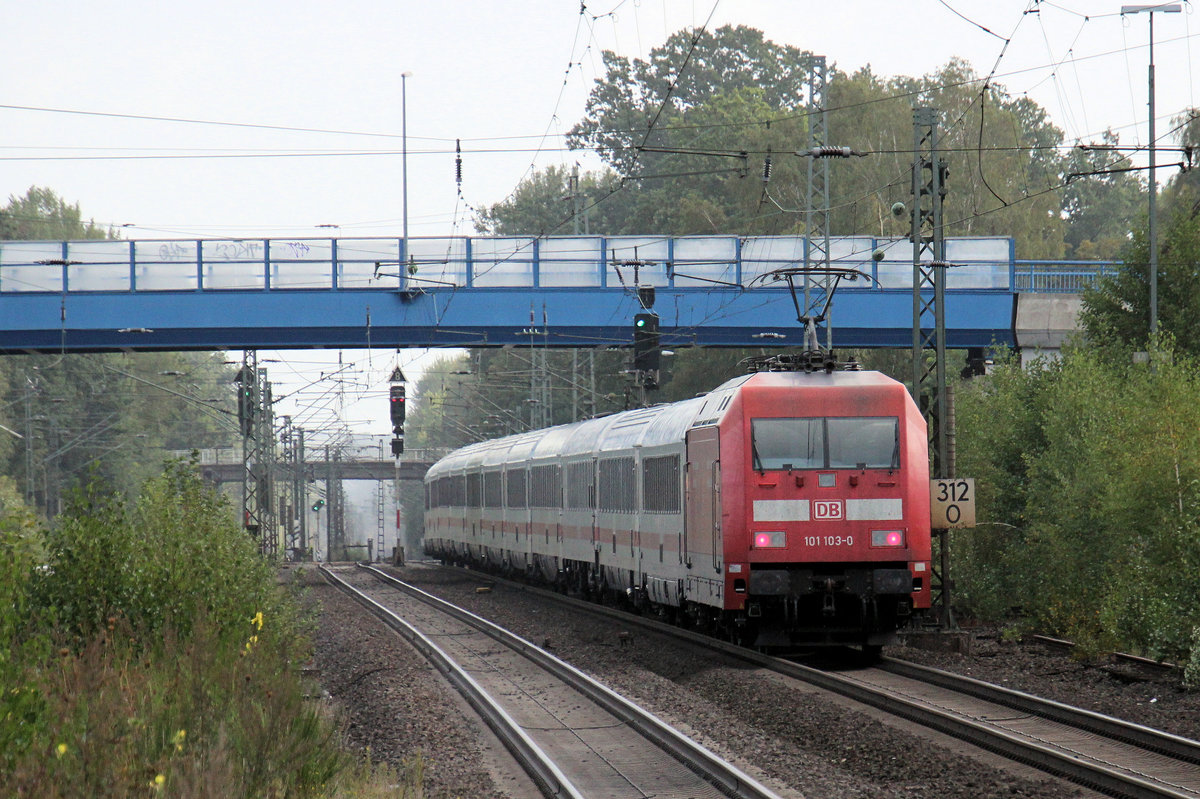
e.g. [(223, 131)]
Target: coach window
[(545, 487), (618, 489), (581, 486), (492, 496), (474, 490), (516, 487), (660, 484)]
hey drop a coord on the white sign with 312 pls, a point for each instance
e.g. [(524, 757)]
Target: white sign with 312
[(952, 503)]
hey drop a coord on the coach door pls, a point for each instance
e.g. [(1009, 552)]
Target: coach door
[(594, 504), (702, 525)]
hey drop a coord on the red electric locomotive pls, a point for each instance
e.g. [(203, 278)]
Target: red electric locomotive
[(783, 508)]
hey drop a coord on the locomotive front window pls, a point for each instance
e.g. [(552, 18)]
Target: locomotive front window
[(862, 442), (789, 444)]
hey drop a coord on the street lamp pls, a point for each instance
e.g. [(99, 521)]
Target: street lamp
[(1165, 8), (404, 76)]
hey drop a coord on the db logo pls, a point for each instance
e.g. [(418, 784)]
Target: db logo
[(827, 510)]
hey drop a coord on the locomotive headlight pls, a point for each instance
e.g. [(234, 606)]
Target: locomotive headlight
[(768, 540), (887, 538)]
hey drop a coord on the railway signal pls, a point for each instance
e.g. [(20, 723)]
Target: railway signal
[(245, 381), (647, 352), (316, 506), (397, 396), (398, 402)]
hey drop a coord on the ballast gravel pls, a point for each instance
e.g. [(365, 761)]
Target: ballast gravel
[(799, 741)]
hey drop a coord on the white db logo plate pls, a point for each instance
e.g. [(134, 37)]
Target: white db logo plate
[(828, 510)]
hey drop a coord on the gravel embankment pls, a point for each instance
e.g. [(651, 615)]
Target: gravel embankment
[(800, 741), (396, 707)]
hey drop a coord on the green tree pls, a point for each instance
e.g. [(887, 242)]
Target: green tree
[(113, 416), (1099, 201), (646, 102), (542, 205), (1000, 154), (684, 159), (688, 133), (41, 215), (106, 415), (1089, 493), (1116, 312)]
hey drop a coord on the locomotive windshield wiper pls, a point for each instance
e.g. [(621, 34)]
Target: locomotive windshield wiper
[(757, 462)]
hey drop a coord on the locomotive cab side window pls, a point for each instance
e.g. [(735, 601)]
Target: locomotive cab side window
[(858, 442)]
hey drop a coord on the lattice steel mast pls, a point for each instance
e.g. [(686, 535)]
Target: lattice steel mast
[(256, 418), (816, 215), (929, 317)]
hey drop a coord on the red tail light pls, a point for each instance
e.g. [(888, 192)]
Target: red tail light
[(887, 538), (769, 540)]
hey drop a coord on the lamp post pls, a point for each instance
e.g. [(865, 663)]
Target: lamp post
[(1165, 8), (404, 76)]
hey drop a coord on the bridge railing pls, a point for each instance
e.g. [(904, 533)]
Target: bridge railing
[(701, 262), (617, 262), (1060, 277)]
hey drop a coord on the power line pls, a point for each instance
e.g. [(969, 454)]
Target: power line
[(359, 153), (198, 121)]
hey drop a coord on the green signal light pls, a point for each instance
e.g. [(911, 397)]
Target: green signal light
[(640, 323)]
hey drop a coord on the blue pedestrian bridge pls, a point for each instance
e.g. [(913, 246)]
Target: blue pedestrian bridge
[(569, 291)]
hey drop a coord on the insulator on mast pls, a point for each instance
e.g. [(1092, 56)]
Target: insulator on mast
[(830, 151), (458, 164)]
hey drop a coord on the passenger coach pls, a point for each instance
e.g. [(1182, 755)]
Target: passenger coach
[(781, 508)]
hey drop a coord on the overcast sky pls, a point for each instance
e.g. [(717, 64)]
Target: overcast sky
[(88, 89)]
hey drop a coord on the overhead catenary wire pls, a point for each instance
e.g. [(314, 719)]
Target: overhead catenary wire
[(1187, 37)]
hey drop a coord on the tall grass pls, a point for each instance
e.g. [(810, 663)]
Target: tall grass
[(147, 651)]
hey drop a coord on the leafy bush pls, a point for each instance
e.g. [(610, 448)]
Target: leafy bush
[(195, 717), (174, 557), (173, 665), (22, 643), (1089, 484)]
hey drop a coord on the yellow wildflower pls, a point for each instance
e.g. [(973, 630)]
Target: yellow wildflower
[(60, 750), (257, 621), (178, 740)]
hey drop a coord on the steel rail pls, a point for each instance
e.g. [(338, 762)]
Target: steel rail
[(1045, 758), (1148, 664), (1138, 735), (723, 775), (552, 782)]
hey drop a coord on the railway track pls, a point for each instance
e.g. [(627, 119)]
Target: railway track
[(1100, 752), (1116, 659), (574, 737)]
